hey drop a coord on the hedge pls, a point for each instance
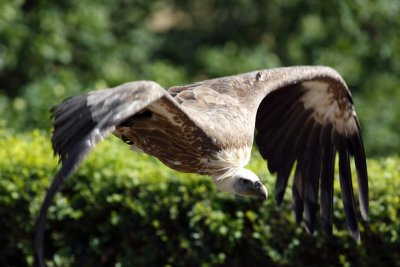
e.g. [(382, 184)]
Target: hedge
[(127, 209)]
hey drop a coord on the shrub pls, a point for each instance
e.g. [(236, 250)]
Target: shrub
[(127, 209)]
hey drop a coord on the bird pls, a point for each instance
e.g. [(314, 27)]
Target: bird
[(299, 118)]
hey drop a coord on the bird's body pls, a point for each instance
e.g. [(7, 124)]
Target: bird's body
[(174, 140), (180, 136), (296, 116), (177, 137)]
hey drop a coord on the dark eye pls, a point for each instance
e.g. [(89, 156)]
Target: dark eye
[(126, 140), (243, 181)]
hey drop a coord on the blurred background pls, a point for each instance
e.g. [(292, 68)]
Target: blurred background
[(50, 50)]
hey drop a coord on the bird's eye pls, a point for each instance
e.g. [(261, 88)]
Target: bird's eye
[(243, 181), (126, 140)]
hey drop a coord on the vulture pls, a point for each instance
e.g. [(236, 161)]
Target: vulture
[(299, 118)]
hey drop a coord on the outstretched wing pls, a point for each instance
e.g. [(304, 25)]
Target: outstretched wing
[(305, 118), (82, 121)]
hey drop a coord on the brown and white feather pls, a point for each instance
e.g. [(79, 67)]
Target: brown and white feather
[(299, 117)]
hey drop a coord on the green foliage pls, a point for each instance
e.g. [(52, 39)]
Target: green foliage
[(127, 209), (50, 50)]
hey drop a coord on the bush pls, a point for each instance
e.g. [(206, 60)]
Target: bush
[(127, 209)]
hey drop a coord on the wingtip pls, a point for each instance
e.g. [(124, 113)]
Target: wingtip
[(279, 198), (364, 214), (298, 216), (355, 235), (310, 227)]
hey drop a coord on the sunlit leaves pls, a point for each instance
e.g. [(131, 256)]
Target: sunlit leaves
[(135, 210)]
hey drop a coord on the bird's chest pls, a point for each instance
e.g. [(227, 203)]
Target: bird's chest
[(179, 146)]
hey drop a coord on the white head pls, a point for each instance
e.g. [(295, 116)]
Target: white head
[(243, 183)]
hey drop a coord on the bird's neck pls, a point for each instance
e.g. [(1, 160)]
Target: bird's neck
[(225, 163)]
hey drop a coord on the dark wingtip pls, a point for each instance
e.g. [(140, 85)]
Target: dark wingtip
[(297, 207), (298, 215), (364, 216), (310, 215), (362, 172), (279, 198), (282, 180), (355, 235), (76, 156), (310, 226), (39, 260), (326, 196)]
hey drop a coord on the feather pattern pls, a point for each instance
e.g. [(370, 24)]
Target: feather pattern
[(298, 117), (81, 122), (315, 120)]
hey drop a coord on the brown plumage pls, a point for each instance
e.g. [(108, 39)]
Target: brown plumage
[(298, 116)]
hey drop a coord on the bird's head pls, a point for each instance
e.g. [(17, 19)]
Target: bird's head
[(244, 183)]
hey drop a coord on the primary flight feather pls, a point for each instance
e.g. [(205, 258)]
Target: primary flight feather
[(297, 116)]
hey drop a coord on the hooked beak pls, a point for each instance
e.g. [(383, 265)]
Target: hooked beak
[(260, 190)]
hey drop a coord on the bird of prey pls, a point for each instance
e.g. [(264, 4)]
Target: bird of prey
[(298, 117)]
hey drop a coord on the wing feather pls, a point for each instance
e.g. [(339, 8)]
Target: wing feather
[(346, 186), (283, 131), (285, 159), (82, 121), (326, 197), (299, 113), (312, 178), (298, 191), (304, 118), (362, 175), (278, 105)]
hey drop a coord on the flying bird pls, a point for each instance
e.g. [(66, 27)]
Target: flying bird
[(298, 117)]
